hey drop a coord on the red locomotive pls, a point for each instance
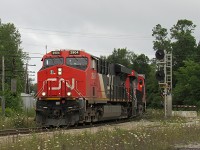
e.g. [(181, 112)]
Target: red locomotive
[(76, 87)]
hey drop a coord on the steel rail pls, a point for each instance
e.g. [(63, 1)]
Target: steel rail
[(18, 131)]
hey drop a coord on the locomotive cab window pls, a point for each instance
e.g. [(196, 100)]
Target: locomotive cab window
[(48, 62), (77, 62)]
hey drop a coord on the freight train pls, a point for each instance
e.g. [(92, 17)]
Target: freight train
[(76, 87)]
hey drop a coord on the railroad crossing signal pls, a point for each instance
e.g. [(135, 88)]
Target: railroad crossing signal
[(164, 76)]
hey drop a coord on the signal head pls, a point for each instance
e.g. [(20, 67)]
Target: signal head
[(160, 75), (160, 54)]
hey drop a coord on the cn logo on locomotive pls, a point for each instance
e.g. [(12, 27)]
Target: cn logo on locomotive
[(60, 82)]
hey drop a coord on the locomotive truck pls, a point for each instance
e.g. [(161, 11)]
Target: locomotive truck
[(76, 87)]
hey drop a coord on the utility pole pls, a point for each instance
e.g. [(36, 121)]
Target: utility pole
[(3, 88), (27, 86), (26, 78)]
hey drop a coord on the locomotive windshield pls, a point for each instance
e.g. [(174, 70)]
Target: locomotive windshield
[(77, 62), (53, 61)]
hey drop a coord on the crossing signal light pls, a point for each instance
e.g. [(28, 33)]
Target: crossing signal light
[(160, 75), (160, 54)]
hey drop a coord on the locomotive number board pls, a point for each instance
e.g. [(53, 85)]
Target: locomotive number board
[(55, 52), (74, 52)]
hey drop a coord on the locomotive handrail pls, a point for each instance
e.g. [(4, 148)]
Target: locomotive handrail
[(40, 91), (78, 92), (37, 94)]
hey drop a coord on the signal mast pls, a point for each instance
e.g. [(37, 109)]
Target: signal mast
[(164, 77)]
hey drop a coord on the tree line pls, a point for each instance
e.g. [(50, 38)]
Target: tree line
[(10, 49)]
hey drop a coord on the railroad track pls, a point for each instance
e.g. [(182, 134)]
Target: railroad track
[(22, 131), (18, 131)]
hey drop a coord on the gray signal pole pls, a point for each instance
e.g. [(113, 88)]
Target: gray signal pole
[(168, 81), (167, 85), (164, 75), (3, 81)]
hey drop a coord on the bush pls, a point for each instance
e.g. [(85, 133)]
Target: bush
[(16, 119), (19, 121), (9, 112), (29, 113)]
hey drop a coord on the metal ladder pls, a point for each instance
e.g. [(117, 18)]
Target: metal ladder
[(169, 71)]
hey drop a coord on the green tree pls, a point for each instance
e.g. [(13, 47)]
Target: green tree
[(121, 56), (184, 43), (161, 42), (153, 93), (140, 63), (33, 88), (10, 41), (184, 48), (197, 56), (188, 84)]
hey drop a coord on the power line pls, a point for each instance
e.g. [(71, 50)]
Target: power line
[(82, 33), (100, 36), (85, 34)]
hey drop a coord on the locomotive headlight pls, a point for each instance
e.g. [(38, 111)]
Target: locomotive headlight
[(43, 93), (59, 71), (69, 93)]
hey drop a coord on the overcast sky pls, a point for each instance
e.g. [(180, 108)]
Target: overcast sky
[(97, 26)]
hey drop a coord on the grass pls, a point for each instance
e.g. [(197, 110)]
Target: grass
[(158, 115), (159, 138), (165, 136), (18, 120)]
